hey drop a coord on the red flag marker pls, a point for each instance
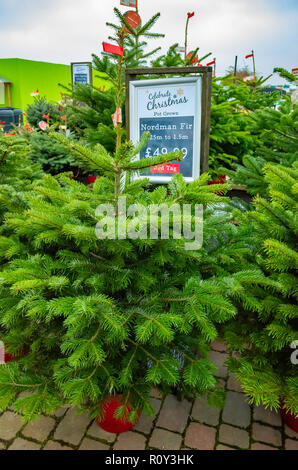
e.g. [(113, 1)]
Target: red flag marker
[(190, 15), (117, 50), (211, 63), (249, 55)]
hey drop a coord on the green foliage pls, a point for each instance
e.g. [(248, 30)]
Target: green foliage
[(264, 333), (171, 59), (52, 156), (233, 129), (117, 316), (275, 132), (229, 139), (93, 121), (283, 73), (40, 107), (105, 316), (16, 174), (135, 45)]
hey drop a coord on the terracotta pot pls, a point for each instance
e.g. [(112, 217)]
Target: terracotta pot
[(109, 423), (91, 179), (290, 419)]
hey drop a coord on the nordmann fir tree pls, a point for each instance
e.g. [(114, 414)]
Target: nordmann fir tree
[(275, 132), (93, 121), (100, 104), (266, 335), (17, 173), (17, 176), (135, 44), (49, 154), (236, 130), (104, 317)]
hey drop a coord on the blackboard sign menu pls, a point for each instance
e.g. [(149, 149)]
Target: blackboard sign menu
[(170, 109)]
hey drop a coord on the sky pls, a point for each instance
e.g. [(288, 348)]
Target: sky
[(64, 31)]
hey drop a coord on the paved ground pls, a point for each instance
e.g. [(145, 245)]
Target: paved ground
[(176, 425)]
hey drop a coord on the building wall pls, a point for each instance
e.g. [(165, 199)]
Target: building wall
[(29, 75)]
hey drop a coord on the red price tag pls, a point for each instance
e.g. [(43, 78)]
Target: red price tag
[(166, 168)]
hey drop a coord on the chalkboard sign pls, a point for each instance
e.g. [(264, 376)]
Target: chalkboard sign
[(171, 110), (81, 72)]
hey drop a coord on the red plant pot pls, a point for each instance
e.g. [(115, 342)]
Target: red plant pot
[(109, 423), (290, 419), (221, 179), (91, 179)]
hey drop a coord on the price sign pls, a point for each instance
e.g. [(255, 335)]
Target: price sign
[(170, 109), (81, 73)]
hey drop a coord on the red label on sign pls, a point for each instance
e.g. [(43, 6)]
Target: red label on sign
[(166, 168)]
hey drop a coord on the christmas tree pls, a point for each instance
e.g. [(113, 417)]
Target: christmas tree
[(134, 43), (49, 154), (229, 139), (275, 134), (268, 328), (109, 314), (37, 111), (16, 174), (100, 104)]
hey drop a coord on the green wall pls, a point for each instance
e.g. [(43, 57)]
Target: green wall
[(29, 75)]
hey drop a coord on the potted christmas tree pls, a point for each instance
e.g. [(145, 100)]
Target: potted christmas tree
[(267, 330), (110, 317), (107, 319)]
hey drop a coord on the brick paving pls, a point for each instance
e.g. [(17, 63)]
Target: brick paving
[(175, 425)]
